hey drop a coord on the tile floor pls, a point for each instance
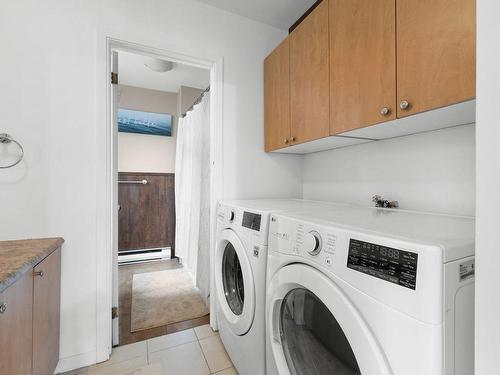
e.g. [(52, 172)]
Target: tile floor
[(125, 275), (195, 351)]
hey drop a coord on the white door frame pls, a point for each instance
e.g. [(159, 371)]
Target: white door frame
[(106, 157)]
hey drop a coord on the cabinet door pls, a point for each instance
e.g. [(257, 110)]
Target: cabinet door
[(362, 63), (46, 303), (277, 97), (309, 77), (16, 327), (436, 43)]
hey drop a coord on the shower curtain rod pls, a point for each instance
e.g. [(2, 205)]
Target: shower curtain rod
[(197, 101)]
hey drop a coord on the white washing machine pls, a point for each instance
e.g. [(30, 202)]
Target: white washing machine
[(370, 291), (240, 276)]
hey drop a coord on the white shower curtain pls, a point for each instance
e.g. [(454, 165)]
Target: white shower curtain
[(192, 193)]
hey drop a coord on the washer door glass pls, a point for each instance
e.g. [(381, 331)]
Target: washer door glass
[(313, 341), (232, 278)]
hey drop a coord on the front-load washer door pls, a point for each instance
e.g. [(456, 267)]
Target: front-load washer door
[(234, 282), (315, 330)]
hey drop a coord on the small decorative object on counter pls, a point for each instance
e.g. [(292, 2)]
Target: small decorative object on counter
[(384, 203)]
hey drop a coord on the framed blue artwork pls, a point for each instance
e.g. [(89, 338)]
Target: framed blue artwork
[(139, 122)]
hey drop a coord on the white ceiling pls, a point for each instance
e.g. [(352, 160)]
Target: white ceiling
[(133, 72), (278, 13)]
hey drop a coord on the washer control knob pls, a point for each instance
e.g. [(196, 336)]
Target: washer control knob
[(312, 243), (230, 216)]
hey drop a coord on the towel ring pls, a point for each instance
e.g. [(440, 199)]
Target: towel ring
[(6, 139)]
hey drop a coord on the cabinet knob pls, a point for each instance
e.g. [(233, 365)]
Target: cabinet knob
[(285, 141), (39, 273), (385, 111), (404, 105), (292, 139), (3, 307)]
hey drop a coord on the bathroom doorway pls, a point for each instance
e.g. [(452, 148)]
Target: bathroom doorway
[(142, 260), (163, 143)]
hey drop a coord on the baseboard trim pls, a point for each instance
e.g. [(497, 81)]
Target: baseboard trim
[(76, 361)]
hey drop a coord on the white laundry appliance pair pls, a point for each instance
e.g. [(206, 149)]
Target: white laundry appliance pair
[(370, 291), (240, 277)]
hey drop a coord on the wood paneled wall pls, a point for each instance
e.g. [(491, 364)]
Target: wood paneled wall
[(146, 218)]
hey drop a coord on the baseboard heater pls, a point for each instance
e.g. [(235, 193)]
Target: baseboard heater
[(143, 255)]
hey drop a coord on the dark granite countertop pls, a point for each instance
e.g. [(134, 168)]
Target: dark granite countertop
[(19, 257)]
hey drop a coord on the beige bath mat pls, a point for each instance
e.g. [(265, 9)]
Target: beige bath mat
[(164, 297)]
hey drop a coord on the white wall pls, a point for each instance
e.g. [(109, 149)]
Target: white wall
[(141, 152), (488, 190), (187, 97), (48, 102), (432, 171)]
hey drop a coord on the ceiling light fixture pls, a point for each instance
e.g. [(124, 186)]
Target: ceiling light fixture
[(158, 65)]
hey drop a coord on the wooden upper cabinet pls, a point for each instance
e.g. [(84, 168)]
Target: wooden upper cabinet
[(436, 53), (16, 327), (277, 97), (354, 63), (362, 63), (309, 77), (46, 306)]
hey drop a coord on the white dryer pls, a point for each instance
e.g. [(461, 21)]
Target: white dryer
[(370, 291), (240, 275)]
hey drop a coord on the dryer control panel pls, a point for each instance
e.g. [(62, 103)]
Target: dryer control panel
[(251, 220), (315, 243), (253, 224), (386, 263)]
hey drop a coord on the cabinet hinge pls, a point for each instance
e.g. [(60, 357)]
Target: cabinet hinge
[(114, 78), (114, 312)]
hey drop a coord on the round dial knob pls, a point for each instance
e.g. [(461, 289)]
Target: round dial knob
[(230, 216), (312, 243)]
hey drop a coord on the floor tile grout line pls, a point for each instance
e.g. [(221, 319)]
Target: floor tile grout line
[(170, 347), (173, 346), (224, 369), (196, 335), (212, 373), (204, 357)]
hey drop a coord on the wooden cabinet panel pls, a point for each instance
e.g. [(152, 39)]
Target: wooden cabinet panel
[(147, 212), (16, 327), (436, 53), (277, 97), (309, 77), (46, 310), (362, 63)]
